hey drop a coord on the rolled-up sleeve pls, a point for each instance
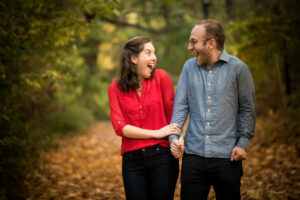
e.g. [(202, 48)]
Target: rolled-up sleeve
[(181, 107), (247, 116), (116, 115)]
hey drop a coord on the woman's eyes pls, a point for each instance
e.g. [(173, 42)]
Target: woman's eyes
[(149, 53)]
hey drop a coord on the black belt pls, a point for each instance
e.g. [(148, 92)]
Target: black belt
[(156, 147)]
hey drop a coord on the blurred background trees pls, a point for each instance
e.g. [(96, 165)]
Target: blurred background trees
[(57, 59)]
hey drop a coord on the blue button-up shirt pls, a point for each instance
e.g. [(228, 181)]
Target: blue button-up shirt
[(220, 104)]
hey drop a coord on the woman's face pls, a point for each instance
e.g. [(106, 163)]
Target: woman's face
[(145, 61)]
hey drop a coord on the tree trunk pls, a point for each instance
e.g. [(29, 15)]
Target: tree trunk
[(287, 73), (206, 4), (230, 10), (278, 74)]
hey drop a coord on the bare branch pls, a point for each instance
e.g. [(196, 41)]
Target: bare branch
[(138, 26)]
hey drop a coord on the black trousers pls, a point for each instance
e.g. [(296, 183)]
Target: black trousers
[(199, 173), (150, 174)]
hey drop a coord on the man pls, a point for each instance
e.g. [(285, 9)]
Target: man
[(217, 91)]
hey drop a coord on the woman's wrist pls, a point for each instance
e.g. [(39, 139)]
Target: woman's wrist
[(155, 133)]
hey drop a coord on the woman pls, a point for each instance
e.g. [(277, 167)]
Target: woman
[(141, 103)]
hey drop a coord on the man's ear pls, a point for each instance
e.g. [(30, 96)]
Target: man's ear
[(212, 44), (134, 59)]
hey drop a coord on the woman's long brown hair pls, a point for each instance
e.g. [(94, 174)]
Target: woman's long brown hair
[(127, 75)]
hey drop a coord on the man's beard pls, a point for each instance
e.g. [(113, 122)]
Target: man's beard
[(202, 58)]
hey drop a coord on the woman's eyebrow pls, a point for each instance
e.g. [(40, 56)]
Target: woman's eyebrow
[(149, 50)]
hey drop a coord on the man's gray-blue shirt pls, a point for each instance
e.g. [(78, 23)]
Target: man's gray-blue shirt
[(220, 104)]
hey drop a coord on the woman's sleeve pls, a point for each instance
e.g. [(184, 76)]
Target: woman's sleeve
[(116, 115), (167, 94)]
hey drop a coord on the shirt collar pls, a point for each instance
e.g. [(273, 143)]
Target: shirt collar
[(224, 56)]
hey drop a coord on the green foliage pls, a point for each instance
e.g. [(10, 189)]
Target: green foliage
[(274, 37), (269, 44), (43, 80)]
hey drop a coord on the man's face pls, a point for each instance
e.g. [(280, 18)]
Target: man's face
[(196, 41)]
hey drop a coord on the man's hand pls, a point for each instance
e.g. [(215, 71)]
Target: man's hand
[(238, 154), (177, 147)]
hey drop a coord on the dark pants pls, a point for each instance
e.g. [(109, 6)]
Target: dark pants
[(199, 173), (150, 174)]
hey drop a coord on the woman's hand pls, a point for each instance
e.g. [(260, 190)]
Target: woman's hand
[(165, 131), (130, 131), (177, 147)]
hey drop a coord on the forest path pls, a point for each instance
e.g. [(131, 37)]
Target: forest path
[(88, 166)]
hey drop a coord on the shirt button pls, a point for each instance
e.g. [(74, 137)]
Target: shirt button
[(208, 97), (208, 110), (207, 136), (141, 112), (119, 122), (140, 106), (209, 84), (207, 123)]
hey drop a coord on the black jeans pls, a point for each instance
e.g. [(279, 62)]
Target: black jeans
[(199, 173), (150, 174)]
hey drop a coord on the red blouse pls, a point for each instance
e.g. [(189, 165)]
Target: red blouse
[(152, 110)]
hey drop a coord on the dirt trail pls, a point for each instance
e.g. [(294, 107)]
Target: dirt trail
[(88, 166)]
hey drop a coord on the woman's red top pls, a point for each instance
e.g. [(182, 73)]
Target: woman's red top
[(152, 110)]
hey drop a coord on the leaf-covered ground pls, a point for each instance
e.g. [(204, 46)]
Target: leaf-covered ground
[(88, 166)]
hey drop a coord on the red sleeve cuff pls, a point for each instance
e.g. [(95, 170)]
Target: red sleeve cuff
[(119, 128)]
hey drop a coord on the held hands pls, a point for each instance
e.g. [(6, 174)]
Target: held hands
[(238, 154), (165, 131), (177, 147)]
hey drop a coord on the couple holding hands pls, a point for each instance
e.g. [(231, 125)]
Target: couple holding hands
[(215, 89)]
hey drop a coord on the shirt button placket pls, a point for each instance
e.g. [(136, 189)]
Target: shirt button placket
[(141, 109), (209, 91), (209, 118)]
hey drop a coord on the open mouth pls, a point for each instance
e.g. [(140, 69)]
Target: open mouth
[(151, 66), (197, 55)]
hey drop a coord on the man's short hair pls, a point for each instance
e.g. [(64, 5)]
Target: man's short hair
[(214, 30)]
